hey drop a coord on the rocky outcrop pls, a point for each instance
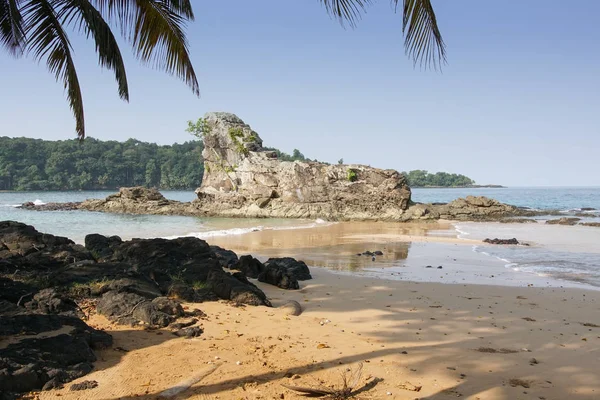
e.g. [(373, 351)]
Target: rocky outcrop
[(470, 208), (45, 280), (594, 224), (512, 241), (63, 351), (243, 180), (518, 221), (70, 206), (138, 200), (564, 221)]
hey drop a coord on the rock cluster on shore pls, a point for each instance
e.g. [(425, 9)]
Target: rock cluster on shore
[(48, 284)]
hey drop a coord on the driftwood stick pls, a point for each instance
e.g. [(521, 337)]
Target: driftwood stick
[(184, 385)]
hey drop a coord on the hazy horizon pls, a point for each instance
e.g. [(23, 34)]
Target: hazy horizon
[(516, 105)]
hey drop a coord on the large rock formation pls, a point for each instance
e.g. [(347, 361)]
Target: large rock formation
[(243, 180)]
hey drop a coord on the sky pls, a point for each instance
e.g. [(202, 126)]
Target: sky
[(517, 104)]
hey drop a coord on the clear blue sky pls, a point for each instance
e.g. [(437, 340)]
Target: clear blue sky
[(517, 104)]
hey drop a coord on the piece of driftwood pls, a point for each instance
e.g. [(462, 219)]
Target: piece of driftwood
[(184, 385)]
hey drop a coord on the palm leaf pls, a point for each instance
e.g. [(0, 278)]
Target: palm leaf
[(423, 39), (47, 39), (346, 10), (86, 18), (12, 33), (156, 30)]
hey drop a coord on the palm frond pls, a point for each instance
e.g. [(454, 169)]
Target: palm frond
[(182, 7), (156, 29), (12, 33), (47, 39), (87, 18), (423, 39), (346, 10)]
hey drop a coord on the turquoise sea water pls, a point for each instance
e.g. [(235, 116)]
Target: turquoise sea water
[(569, 253), (76, 224), (541, 198)]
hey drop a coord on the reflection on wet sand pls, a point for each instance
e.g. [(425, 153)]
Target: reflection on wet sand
[(335, 246)]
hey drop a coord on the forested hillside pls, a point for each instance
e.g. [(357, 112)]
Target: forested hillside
[(421, 178), (34, 164)]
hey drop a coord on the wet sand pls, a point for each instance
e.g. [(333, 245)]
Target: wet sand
[(468, 341)]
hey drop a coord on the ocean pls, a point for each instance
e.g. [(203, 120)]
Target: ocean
[(569, 254)]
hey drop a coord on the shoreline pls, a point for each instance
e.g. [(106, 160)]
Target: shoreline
[(486, 342), (412, 252)]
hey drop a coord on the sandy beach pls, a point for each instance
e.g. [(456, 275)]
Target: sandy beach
[(415, 340)]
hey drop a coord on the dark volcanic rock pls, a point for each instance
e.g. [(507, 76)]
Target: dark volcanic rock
[(512, 241), (595, 224), (133, 309), (49, 301), (85, 385), (101, 247), (279, 276), (189, 332), (226, 258), (564, 221), (227, 287), (28, 253), (185, 259), (297, 269), (250, 266), (34, 363), (14, 291)]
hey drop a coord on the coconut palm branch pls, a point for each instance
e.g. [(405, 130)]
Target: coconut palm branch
[(423, 40), (155, 28)]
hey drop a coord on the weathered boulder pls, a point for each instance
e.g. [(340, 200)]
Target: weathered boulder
[(49, 301), (296, 268), (512, 241), (564, 221), (137, 200), (15, 291), (226, 258), (69, 206), (243, 180), (235, 288), (65, 351), (26, 252), (594, 224), (470, 208), (100, 246), (518, 221), (280, 277), (249, 266), (186, 268)]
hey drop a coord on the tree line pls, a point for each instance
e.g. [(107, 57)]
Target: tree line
[(35, 164), (422, 178)]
